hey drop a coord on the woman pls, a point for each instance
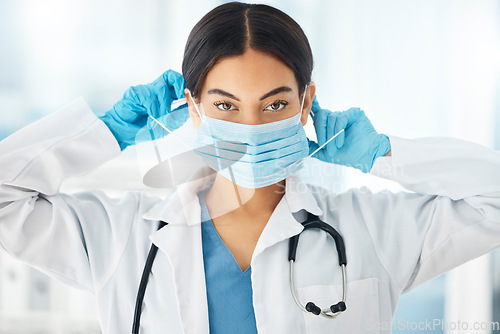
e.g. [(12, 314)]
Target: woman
[(222, 263)]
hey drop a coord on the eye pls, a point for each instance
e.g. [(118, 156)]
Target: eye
[(277, 106), (224, 106)]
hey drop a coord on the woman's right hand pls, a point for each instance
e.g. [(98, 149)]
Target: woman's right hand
[(131, 114)]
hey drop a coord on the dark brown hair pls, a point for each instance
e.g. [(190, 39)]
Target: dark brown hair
[(230, 29)]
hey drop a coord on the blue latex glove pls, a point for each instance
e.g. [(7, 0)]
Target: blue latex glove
[(130, 114), (358, 146)]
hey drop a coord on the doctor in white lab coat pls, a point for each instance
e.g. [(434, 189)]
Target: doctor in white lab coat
[(394, 241)]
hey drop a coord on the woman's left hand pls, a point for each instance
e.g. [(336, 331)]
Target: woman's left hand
[(358, 146)]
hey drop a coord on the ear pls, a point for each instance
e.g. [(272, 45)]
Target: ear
[(193, 114), (308, 99)]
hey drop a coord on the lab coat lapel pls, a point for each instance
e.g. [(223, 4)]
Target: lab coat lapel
[(283, 224), (182, 245), (181, 241)]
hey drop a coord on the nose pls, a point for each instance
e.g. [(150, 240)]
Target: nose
[(252, 117)]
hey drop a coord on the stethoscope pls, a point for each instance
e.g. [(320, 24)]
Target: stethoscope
[(311, 222)]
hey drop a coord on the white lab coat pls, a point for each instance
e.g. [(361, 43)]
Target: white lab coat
[(394, 241)]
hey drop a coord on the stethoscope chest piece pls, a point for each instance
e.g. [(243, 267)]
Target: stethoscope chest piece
[(336, 309)]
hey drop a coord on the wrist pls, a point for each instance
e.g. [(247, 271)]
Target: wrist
[(108, 120), (384, 147)]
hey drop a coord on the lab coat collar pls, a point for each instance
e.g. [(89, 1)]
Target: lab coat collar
[(283, 224), (300, 196), (183, 207)]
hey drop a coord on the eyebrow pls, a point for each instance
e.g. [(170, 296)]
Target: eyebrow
[(265, 96)]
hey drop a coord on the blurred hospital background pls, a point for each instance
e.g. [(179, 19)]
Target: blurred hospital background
[(417, 68)]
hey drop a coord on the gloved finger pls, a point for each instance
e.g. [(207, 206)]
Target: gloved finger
[(165, 89), (319, 121), (313, 146), (176, 85), (315, 108), (331, 148), (339, 126), (318, 154), (353, 115), (131, 106), (156, 107), (144, 99)]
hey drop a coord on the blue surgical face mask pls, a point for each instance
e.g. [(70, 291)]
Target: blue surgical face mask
[(252, 156)]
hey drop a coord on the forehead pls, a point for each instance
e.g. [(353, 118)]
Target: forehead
[(250, 75)]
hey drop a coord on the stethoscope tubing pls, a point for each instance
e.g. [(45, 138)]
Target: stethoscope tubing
[(144, 282), (324, 312), (314, 222), (311, 222)]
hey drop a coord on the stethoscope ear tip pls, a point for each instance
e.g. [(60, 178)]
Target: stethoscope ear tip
[(339, 307), (311, 307)]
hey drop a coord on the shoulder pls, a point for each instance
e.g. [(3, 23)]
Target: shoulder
[(363, 202)]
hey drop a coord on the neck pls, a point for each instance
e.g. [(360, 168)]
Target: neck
[(227, 197)]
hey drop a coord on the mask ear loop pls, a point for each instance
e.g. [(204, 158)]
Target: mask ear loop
[(169, 131), (303, 98), (195, 106), (158, 157), (302, 104), (324, 144)]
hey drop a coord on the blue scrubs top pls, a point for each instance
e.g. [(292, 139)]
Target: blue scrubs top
[(229, 290)]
